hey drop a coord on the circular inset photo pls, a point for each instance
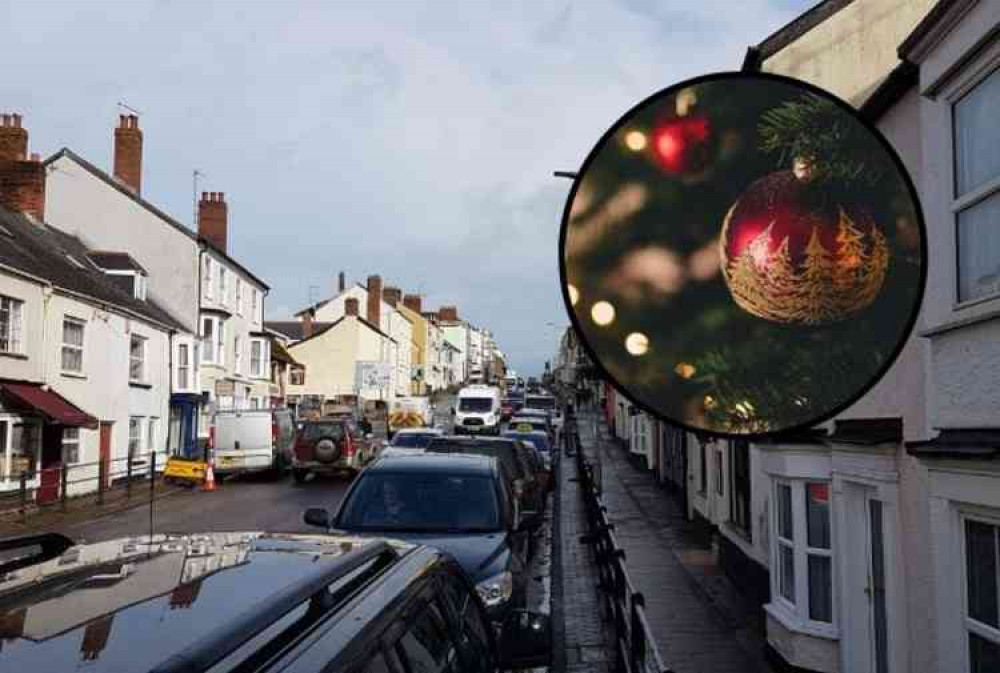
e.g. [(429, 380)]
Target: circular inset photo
[(742, 254)]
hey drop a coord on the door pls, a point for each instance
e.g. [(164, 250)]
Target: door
[(866, 629), (105, 453), (51, 472)]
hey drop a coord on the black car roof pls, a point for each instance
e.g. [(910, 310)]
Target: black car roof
[(434, 462), (185, 589)]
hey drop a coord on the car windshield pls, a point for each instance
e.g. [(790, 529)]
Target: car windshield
[(541, 442), (540, 403), (412, 439), (317, 430), (475, 404), (432, 502)]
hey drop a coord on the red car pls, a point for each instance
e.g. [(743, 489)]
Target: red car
[(509, 407)]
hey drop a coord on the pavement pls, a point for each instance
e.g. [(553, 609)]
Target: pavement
[(700, 621)]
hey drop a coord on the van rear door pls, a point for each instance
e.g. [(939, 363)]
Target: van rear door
[(243, 440)]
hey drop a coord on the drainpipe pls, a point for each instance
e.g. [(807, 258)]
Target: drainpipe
[(46, 298)]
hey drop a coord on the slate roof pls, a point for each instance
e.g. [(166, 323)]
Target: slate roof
[(293, 328), (193, 235), (43, 251)]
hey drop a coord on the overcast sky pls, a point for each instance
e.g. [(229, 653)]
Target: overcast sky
[(415, 140)]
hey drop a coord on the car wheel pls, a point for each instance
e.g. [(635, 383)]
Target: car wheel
[(300, 475)]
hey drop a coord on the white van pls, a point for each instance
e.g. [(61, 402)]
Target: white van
[(478, 410), (252, 440)]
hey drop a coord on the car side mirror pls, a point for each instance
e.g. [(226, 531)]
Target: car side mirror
[(316, 516), (525, 640)]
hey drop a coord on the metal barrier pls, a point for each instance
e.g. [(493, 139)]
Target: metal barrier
[(635, 647), (54, 483)]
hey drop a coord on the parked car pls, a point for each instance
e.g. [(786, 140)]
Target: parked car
[(510, 453), (478, 410), (330, 445), (539, 438), (252, 440), (542, 401), (460, 504), (413, 440), (508, 407), (251, 602), (531, 422)]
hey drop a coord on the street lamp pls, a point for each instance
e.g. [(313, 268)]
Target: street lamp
[(565, 174)]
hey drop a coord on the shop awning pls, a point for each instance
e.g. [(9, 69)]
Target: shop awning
[(51, 405)]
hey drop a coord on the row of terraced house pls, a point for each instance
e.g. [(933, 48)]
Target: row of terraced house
[(871, 543)]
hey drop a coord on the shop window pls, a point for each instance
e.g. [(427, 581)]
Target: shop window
[(982, 614)]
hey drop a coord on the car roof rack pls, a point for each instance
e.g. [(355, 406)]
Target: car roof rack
[(216, 645), (52, 545)]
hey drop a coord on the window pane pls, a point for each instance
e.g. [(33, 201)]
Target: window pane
[(786, 561), (979, 249), (426, 647), (981, 569), (818, 515), (820, 589), (984, 656), (785, 511), (977, 135)]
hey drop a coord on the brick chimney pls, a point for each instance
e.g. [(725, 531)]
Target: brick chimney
[(213, 219), (375, 300), (412, 302), (341, 282), (128, 152), (307, 323), (13, 138), (448, 314), (351, 305), (392, 296), (22, 180)]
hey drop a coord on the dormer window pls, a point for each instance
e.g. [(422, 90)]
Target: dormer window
[(122, 271), (140, 286)]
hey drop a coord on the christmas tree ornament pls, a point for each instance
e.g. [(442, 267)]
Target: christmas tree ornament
[(793, 254), (683, 144)]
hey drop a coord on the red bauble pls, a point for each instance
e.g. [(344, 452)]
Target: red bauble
[(683, 144), (793, 254)]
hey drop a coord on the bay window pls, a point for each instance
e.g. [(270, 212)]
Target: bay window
[(982, 612), (207, 278), (258, 358), (213, 340), (802, 551), (977, 190), (72, 345), (10, 324)]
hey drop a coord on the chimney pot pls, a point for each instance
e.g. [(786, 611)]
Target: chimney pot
[(17, 120), (375, 300), (6, 119), (22, 183), (13, 138), (413, 302), (128, 152), (213, 220)]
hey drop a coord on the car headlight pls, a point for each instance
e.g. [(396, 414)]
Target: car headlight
[(496, 590)]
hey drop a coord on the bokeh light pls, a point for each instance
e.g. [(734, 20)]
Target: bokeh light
[(685, 370), (603, 313), (635, 141), (685, 100), (637, 343), (574, 294)]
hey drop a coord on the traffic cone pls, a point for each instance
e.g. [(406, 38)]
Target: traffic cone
[(209, 478)]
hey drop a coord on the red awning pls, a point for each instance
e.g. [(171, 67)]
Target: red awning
[(50, 404)]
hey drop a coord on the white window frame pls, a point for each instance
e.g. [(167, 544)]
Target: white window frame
[(184, 382), (143, 358), (15, 325), (208, 278), (213, 352), (797, 612), (223, 296), (81, 348), (988, 65), (239, 295), (255, 293), (137, 451), (73, 443), (260, 371), (237, 354), (969, 624)]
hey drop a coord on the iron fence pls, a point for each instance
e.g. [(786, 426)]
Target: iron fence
[(635, 647), (58, 486)]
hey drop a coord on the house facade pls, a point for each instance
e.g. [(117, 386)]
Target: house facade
[(84, 362), (221, 358)]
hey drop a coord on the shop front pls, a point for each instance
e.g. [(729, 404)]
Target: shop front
[(184, 415)]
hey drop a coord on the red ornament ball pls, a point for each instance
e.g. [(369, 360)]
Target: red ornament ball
[(683, 144), (792, 253)]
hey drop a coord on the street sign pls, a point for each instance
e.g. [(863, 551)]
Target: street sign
[(369, 375)]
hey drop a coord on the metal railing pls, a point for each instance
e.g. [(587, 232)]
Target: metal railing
[(635, 647), (55, 486)]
